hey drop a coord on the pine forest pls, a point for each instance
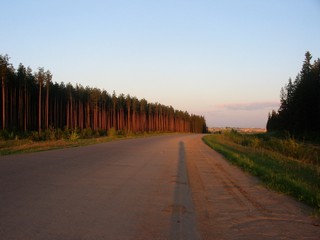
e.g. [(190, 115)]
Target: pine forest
[(299, 112), (32, 102)]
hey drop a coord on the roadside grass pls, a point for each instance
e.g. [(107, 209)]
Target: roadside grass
[(18, 146), (278, 171), (284, 144), (8, 147)]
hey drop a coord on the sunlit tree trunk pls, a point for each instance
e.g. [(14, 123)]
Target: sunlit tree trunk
[(39, 113), (48, 80), (3, 104)]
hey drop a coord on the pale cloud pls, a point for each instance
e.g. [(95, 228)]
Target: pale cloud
[(249, 114), (249, 106)]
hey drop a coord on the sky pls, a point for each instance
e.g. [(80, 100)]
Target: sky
[(225, 60)]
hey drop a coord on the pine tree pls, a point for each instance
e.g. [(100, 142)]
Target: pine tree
[(299, 112)]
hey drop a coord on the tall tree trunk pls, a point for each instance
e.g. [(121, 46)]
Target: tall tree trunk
[(25, 108), (47, 106), (3, 105), (39, 116)]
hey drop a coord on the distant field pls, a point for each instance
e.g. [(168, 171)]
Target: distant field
[(284, 165), (244, 130)]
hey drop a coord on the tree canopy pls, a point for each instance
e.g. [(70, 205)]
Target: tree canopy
[(32, 102), (299, 111)]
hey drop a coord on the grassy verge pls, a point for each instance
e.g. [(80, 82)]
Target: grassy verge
[(18, 146), (276, 170)]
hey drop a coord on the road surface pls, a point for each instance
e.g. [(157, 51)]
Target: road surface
[(167, 187)]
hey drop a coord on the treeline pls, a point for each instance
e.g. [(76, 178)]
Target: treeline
[(299, 111), (32, 102)]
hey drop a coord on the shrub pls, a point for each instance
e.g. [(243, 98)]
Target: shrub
[(66, 133), (4, 134), (121, 132), (129, 133), (49, 134), (102, 132), (34, 136), (59, 134), (74, 135), (112, 132), (87, 133)]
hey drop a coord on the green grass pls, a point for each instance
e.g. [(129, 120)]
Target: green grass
[(277, 170)]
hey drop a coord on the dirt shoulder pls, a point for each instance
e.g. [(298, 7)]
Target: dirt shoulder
[(231, 204)]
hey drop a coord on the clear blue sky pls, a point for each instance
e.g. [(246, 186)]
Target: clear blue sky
[(226, 60)]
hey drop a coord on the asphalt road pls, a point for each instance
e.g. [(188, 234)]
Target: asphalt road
[(167, 187)]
